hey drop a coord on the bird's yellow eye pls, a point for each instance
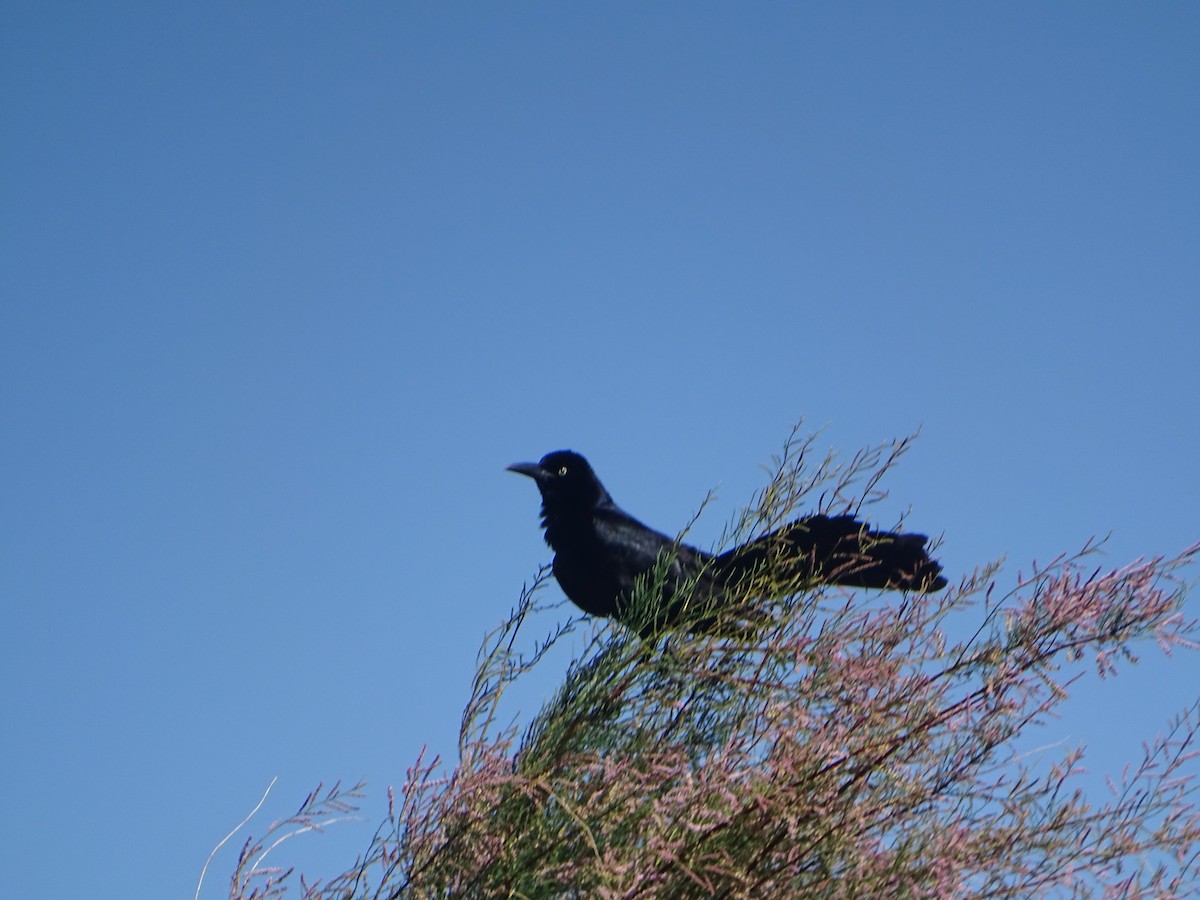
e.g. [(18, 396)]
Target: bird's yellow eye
[(562, 471)]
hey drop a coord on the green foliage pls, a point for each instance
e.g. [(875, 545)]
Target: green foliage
[(844, 745)]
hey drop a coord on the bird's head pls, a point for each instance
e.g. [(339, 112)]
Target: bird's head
[(566, 481)]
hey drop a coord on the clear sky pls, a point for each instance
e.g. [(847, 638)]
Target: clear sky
[(286, 285)]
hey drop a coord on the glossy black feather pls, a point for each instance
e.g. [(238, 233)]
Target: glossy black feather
[(600, 551)]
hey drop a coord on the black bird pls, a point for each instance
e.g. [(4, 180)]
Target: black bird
[(600, 552)]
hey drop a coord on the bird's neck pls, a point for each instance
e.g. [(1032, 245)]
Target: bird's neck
[(569, 525)]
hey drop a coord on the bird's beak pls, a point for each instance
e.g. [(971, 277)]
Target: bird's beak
[(533, 470)]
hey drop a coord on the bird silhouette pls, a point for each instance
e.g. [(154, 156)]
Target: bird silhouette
[(601, 552)]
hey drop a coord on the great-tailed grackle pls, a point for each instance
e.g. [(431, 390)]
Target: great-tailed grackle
[(600, 551)]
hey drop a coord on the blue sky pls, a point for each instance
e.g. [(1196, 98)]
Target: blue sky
[(286, 286)]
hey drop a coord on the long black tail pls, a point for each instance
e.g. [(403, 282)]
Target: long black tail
[(831, 550)]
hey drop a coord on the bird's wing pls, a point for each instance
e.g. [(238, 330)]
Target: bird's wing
[(631, 547)]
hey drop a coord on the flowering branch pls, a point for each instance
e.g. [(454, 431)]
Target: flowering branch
[(848, 747)]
